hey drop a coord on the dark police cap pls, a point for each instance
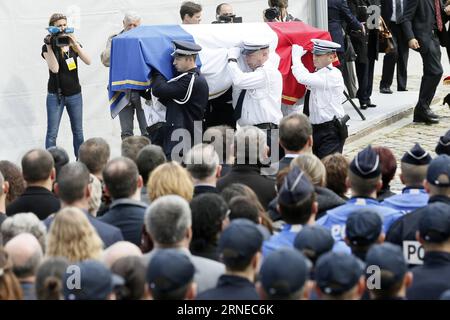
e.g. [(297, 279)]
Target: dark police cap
[(417, 156), (314, 241), (438, 173), (296, 187), (169, 270), (96, 282), (389, 258), (336, 273), (434, 226), (284, 272), (363, 227), (443, 146), (185, 48), (366, 164), (242, 239)]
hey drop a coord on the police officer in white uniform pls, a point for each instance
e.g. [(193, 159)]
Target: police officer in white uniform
[(326, 86), (257, 93)]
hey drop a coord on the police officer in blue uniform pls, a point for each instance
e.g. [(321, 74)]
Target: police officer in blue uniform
[(432, 279), (314, 241), (185, 96), (365, 179), (443, 146), (414, 166), (437, 185)]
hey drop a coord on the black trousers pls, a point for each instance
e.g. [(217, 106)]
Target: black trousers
[(364, 72), (399, 56), (220, 111), (326, 140), (432, 72)]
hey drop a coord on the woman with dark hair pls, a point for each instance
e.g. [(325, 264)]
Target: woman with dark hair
[(388, 169), (133, 271), (61, 52), (60, 157), (49, 278)]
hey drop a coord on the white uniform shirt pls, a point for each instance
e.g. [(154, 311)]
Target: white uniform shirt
[(327, 92), (262, 102)]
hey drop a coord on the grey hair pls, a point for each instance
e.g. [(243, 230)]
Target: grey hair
[(202, 161), (30, 267), (167, 219), (249, 143), (131, 16), (24, 223)]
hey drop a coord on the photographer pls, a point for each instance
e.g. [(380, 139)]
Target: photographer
[(126, 115), (224, 14), (278, 12), (64, 88)]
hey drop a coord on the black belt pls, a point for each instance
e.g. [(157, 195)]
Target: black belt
[(266, 126), (324, 125)]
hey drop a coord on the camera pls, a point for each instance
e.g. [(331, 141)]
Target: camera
[(272, 13), (228, 19), (57, 37)]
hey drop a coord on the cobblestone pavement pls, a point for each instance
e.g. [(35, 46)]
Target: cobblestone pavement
[(401, 136)]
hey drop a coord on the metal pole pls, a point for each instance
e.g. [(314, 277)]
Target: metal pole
[(320, 14)]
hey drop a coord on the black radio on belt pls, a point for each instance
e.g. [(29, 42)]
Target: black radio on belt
[(341, 125)]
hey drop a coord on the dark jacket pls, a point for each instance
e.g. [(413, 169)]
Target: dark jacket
[(385, 193), (339, 12), (404, 229), (38, 200), (250, 175), (109, 234), (201, 189), (366, 46), (178, 115), (231, 288), (128, 216), (419, 21), (432, 279)]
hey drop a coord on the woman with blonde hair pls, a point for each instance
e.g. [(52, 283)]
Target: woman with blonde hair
[(9, 285), (315, 169), (72, 236), (170, 179)]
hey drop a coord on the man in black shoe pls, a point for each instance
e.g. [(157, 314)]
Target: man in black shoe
[(392, 13), (422, 24)]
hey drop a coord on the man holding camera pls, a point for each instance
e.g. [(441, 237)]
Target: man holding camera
[(126, 115), (278, 12), (326, 85), (224, 14)]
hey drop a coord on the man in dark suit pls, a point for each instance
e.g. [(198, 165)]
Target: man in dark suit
[(422, 24), (123, 184), (202, 162), (74, 190), (38, 169), (251, 152), (295, 138), (185, 96), (392, 13)]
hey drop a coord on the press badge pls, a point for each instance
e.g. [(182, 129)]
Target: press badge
[(71, 64)]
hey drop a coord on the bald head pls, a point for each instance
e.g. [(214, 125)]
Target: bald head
[(120, 250), (26, 254), (37, 165)]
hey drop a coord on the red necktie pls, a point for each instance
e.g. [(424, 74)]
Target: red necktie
[(437, 6)]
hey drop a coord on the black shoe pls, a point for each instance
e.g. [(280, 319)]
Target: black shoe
[(386, 90), (402, 89), (431, 114), (364, 106), (371, 105), (447, 100), (423, 117)]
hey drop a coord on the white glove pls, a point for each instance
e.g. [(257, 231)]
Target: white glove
[(297, 53), (234, 53)]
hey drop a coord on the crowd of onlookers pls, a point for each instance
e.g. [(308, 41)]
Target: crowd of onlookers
[(213, 227)]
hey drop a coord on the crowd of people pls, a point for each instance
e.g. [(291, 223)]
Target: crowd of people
[(266, 207), (143, 227)]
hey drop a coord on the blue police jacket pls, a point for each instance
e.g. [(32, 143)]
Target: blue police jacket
[(410, 200), (336, 219), (285, 238)]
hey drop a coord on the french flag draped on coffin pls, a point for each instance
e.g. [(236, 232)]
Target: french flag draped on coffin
[(136, 53)]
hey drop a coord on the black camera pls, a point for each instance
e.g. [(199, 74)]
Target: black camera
[(228, 19), (57, 37), (272, 13)]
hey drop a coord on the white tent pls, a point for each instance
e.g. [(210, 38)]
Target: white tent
[(25, 74)]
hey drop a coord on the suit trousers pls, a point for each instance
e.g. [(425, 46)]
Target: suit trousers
[(432, 72), (399, 56), (364, 72)]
